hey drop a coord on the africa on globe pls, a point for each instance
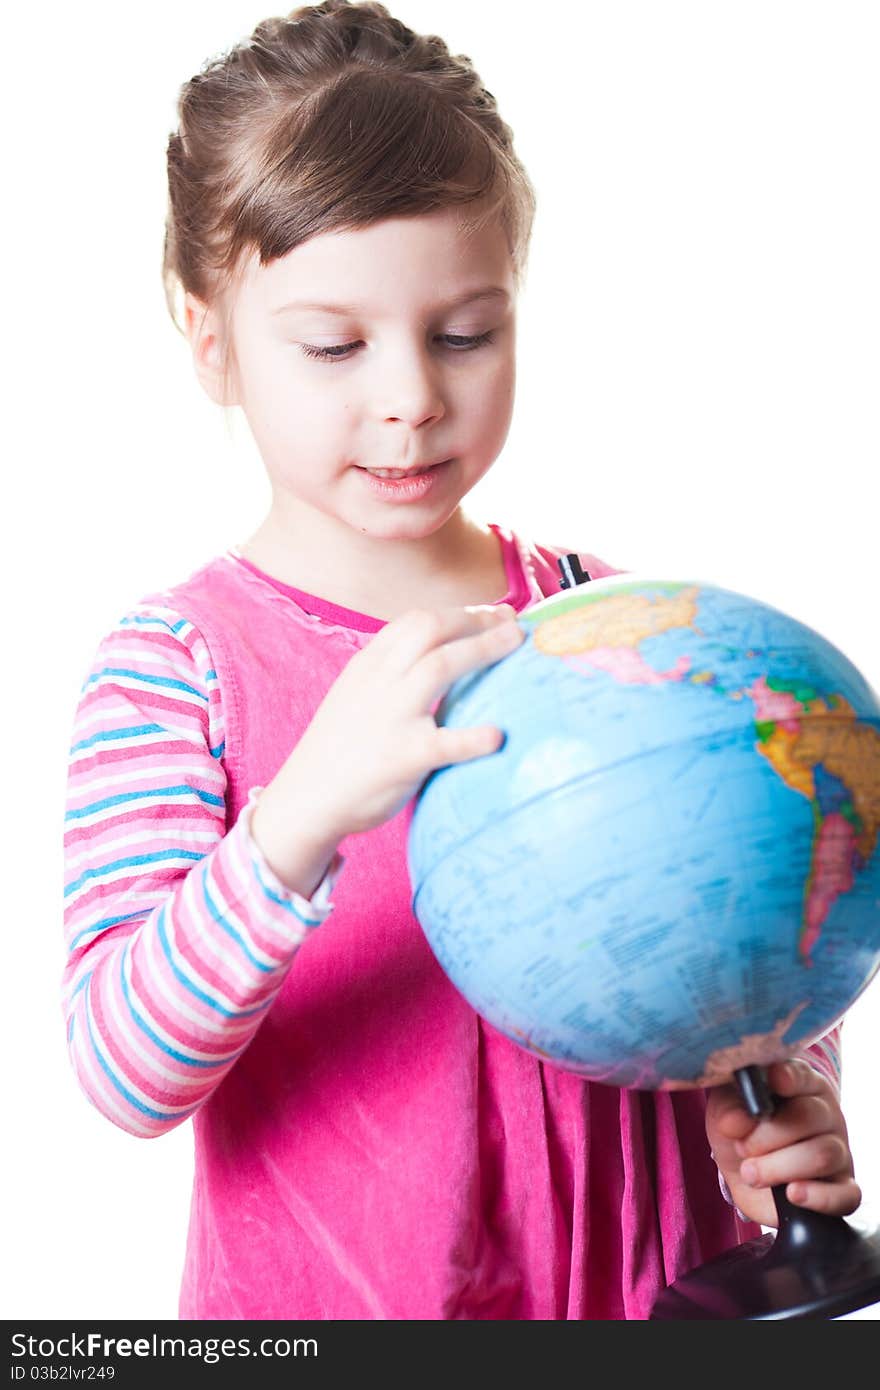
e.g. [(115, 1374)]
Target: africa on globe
[(670, 869)]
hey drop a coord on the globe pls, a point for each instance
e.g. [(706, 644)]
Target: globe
[(669, 871)]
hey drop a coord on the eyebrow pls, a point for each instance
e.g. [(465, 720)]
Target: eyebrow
[(489, 292)]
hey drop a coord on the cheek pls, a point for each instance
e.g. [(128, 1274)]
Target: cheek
[(285, 404), (492, 398)]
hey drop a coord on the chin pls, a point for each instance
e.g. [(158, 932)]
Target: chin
[(409, 528)]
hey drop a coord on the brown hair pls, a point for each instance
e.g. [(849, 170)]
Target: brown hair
[(330, 118)]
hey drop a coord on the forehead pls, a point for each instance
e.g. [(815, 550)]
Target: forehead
[(398, 263)]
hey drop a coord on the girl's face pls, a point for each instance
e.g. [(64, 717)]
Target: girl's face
[(387, 347)]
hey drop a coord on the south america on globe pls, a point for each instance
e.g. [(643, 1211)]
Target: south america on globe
[(670, 869)]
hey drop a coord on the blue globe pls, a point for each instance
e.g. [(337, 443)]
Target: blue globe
[(670, 869)]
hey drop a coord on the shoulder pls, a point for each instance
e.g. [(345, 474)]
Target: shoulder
[(596, 567), (163, 629), (155, 661), (152, 635), (540, 561)]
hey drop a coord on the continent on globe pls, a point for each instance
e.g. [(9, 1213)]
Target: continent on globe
[(821, 750), (608, 638), (756, 1049)]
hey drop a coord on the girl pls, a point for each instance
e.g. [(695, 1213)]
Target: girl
[(348, 227)]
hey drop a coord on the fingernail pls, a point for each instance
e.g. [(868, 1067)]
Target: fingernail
[(796, 1192), (749, 1172)]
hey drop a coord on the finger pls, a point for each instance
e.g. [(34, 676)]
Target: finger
[(729, 1114), (460, 745), (440, 668), (822, 1156), (838, 1198), (403, 642), (800, 1118), (796, 1078)]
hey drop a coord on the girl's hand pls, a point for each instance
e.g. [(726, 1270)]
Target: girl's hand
[(373, 739), (803, 1144)]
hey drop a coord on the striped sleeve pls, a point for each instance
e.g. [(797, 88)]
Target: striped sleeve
[(178, 933), (824, 1057)]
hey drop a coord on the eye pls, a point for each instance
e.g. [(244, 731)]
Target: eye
[(456, 343), (460, 342), (327, 353)]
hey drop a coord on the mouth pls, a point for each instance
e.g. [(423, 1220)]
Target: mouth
[(396, 473)]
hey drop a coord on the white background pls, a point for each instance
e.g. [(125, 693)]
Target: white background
[(698, 395)]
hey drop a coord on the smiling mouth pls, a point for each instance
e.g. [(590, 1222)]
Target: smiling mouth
[(395, 473)]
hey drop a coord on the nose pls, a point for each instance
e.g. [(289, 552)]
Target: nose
[(411, 389)]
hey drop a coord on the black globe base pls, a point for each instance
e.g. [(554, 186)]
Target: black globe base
[(814, 1267), (764, 1279)]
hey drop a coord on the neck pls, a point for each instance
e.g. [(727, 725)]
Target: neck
[(461, 562)]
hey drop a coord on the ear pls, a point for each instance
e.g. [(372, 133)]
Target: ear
[(204, 330)]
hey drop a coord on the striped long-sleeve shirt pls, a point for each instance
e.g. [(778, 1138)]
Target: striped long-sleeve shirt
[(179, 934)]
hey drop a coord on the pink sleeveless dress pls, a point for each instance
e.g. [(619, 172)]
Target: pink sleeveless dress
[(378, 1151)]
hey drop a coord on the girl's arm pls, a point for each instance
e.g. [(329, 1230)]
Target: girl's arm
[(179, 934)]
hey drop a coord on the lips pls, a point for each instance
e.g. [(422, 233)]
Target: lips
[(407, 472)]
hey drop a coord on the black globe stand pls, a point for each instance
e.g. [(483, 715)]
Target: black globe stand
[(814, 1267)]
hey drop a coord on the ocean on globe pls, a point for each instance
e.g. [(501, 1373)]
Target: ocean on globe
[(670, 869)]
